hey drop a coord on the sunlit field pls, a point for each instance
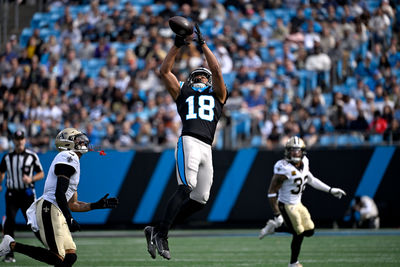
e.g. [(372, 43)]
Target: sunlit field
[(231, 248)]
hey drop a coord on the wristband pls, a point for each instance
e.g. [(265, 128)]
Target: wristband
[(272, 195), (330, 189)]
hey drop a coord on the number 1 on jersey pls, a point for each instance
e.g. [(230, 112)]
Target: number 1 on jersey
[(206, 108)]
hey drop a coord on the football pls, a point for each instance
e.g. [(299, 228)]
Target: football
[(180, 26)]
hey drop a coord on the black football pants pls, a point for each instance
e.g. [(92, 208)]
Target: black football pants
[(15, 200)]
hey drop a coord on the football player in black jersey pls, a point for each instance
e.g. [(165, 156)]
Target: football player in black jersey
[(199, 100)]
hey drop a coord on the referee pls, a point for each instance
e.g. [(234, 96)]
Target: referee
[(20, 165)]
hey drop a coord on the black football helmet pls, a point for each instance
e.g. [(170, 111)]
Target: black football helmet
[(195, 81)]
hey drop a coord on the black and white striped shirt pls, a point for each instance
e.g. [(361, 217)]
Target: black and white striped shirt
[(16, 165)]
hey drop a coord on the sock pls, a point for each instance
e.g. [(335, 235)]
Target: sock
[(38, 253), (188, 208), (174, 205), (295, 247)]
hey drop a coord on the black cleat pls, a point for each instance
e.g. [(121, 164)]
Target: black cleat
[(149, 233), (161, 243)]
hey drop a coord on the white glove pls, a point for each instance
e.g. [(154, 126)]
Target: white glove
[(278, 220), (337, 192)]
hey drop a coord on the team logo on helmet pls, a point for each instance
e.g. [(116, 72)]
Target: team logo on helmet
[(295, 149)]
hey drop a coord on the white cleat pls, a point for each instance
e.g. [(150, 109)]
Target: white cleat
[(296, 264), (5, 245), (269, 229)]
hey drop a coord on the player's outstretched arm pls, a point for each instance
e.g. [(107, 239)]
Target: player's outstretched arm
[(217, 79), (319, 185), (337, 192), (105, 203), (169, 79)]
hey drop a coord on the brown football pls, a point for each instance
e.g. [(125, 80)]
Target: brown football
[(180, 26)]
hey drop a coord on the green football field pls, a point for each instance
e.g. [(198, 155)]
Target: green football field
[(231, 248)]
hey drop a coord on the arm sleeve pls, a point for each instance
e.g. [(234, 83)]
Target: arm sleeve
[(62, 187), (63, 173), (317, 184), (64, 169)]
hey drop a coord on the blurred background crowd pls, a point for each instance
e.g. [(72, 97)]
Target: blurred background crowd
[(327, 71)]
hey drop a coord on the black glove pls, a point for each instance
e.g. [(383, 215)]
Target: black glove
[(73, 225), (180, 41), (105, 203), (200, 40)]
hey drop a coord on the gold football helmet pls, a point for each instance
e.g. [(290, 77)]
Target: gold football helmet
[(295, 149), (72, 139)]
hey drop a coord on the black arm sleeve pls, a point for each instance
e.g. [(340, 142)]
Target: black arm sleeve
[(64, 169), (61, 189)]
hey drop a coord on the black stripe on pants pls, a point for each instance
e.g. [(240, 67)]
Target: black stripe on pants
[(48, 226), (286, 218)]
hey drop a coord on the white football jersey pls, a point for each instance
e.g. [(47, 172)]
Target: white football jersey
[(65, 157), (293, 187)]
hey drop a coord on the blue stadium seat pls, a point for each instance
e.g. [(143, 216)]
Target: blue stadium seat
[(375, 139), (356, 139), (241, 123), (229, 79), (36, 19), (328, 99), (342, 140), (256, 141), (25, 35), (327, 140)]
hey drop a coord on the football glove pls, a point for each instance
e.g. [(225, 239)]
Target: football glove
[(337, 192), (278, 220), (105, 203), (73, 225), (180, 41), (200, 40)]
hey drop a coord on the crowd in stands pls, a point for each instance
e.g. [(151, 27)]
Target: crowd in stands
[(328, 71)]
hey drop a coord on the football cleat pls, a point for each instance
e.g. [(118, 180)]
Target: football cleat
[(9, 259), (269, 229), (162, 246), (5, 245), (296, 264), (151, 248)]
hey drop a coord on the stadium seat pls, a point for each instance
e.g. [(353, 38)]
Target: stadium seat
[(229, 79), (241, 123), (327, 140), (328, 99), (256, 141), (375, 139), (342, 140)]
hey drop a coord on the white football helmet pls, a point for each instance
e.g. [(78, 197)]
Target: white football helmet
[(295, 149), (72, 139)]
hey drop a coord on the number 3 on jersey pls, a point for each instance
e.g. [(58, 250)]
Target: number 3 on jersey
[(206, 107)]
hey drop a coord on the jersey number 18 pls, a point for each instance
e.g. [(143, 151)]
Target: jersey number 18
[(206, 107)]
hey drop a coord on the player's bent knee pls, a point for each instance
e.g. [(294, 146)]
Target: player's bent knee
[(200, 198), (70, 259), (308, 233)]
